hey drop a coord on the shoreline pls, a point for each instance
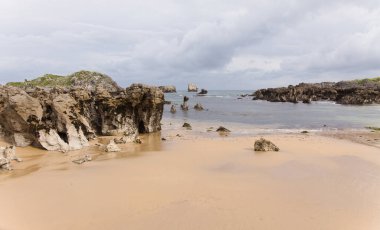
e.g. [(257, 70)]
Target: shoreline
[(35, 159)]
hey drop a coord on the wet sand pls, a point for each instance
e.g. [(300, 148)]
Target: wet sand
[(193, 182)]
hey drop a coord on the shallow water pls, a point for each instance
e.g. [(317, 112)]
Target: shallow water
[(225, 107)]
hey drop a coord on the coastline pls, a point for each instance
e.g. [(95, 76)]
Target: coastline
[(198, 181)]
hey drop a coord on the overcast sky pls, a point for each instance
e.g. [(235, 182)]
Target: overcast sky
[(216, 44)]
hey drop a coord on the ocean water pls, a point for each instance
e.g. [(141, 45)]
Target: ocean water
[(224, 107)]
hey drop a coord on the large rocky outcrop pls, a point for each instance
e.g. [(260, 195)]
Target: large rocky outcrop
[(168, 89), (345, 92), (65, 119)]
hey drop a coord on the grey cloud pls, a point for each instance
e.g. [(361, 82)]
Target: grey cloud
[(217, 44)]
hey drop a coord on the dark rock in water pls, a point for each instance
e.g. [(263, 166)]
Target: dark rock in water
[(243, 95), (265, 145), (306, 100), (167, 102), (304, 132), (198, 107), (184, 105), (63, 119), (355, 92), (192, 88), (168, 89), (163, 139), (203, 92), (223, 129), (173, 109), (186, 125), (239, 98)]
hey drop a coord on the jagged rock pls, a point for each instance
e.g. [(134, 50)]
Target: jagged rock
[(198, 107), (184, 105), (356, 92), (223, 129), (168, 89), (173, 109), (192, 87), (64, 119), (186, 125), (203, 92), (112, 147), (265, 145), (7, 155), (83, 159)]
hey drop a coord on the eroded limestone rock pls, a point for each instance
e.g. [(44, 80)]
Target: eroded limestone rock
[(63, 119)]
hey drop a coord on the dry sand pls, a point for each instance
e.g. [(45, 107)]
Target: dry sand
[(314, 182)]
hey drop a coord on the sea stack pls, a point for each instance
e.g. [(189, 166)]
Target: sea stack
[(192, 87)]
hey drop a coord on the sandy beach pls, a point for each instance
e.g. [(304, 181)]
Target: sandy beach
[(193, 182)]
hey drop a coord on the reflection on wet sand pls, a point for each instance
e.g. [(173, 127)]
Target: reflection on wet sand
[(34, 159)]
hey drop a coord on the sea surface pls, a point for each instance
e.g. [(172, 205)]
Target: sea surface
[(222, 107)]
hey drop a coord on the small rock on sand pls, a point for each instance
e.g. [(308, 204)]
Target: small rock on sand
[(186, 125), (7, 155), (83, 159), (112, 147), (223, 130), (263, 145)]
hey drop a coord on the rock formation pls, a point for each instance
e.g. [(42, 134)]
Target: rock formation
[(168, 89), (265, 145), (192, 88), (82, 159), (184, 105), (7, 155), (198, 107), (112, 147), (186, 125), (173, 109), (63, 119), (203, 92), (222, 129), (356, 92)]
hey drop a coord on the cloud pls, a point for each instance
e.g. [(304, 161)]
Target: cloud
[(217, 44)]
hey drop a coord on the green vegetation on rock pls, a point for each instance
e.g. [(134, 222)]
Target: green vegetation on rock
[(82, 78), (373, 128), (368, 80)]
